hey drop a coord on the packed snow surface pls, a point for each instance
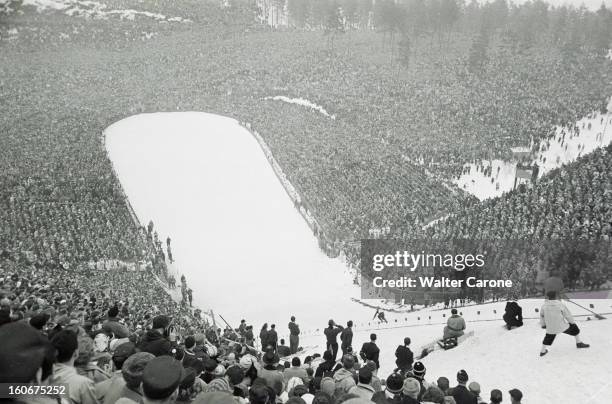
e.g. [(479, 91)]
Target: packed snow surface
[(245, 250)]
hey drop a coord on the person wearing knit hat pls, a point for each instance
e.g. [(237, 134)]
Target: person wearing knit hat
[(516, 396), (460, 393), (433, 395), (23, 352), (418, 370), (395, 383), (411, 390), (328, 386), (474, 388), (161, 378)]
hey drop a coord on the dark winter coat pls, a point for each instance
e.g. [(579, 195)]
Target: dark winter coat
[(369, 351), (346, 337), (324, 367), (154, 342), (272, 338), (331, 333), (463, 396), (404, 357), (294, 329)]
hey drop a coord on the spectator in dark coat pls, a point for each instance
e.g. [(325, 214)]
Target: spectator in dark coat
[(513, 315), (294, 336), (326, 366), (461, 394), (369, 351), (404, 357), (283, 350), (331, 333), (154, 341), (263, 336), (346, 338), (272, 339)]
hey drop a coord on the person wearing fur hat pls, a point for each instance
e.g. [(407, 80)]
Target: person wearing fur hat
[(556, 318), (461, 394)]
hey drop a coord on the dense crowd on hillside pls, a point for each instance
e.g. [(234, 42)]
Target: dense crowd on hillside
[(116, 337)]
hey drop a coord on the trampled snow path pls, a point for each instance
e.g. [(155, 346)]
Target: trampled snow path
[(244, 248)]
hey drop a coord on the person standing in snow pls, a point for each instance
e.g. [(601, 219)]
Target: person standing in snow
[(294, 335), (263, 337), (272, 339), (404, 357), (556, 318), (370, 351), (331, 332), (346, 338)]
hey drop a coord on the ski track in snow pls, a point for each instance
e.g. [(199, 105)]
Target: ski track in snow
[(96, 10), (245, 250), (303, 102)]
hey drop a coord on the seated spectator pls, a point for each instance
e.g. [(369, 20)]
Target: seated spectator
[(296, 371), (283, 350), (455, 325)]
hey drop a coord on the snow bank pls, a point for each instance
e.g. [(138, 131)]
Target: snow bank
[(246, 251), (96, 10), (303, 102)]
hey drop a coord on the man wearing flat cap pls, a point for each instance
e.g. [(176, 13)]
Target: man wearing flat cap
[(161, 379)]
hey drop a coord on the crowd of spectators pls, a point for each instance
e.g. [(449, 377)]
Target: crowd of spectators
[(114, 337)]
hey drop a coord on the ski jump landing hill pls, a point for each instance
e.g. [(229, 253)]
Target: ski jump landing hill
[(248, 253)]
